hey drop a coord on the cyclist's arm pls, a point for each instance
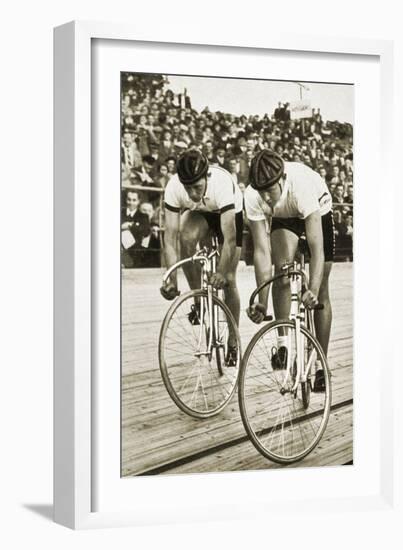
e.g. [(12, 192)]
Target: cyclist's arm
[(314, 236), (261, 256), (172, 221), (228, 228)]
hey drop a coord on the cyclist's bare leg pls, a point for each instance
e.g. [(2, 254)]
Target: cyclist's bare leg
[(323, 317), (193, 229), (231, 293), (284, 245)]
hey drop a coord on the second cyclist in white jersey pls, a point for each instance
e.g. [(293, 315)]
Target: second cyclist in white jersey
[(201, 199), (290, 199)]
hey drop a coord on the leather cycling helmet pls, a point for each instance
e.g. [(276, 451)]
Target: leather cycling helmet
[(266, 169), (191, 166)]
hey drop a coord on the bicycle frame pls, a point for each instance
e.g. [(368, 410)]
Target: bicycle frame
[(299, 315), (208, 261)]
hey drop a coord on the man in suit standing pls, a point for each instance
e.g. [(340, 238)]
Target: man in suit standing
[(131, 157), (135, 227)]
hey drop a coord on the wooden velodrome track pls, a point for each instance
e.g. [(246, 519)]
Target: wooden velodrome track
[(158, 438)]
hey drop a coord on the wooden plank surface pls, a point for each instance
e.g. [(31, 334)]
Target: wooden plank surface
[(158, 437)]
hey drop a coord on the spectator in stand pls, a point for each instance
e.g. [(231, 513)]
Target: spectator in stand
[(350, 195), (243, 163), (338, 196), (346, 237), (349, 180), (323, 173), (142, 141), (131, 157), (287, 114), (349, 225), (279, 148), (209, 150), (145, 174), (336, 175), (176, 133), (154, 152), (152, 245), (171, 165), (163, 176), (251, 143), (241, 143), (129, 120), (184, 135), (338, 227), (346, 211), (306, 159), (279, 112), (126, 104), (179, 147), (166, 146), (348, 166), (148, 178), (219, 158), (233, 170), (135, 228), (343, 180)]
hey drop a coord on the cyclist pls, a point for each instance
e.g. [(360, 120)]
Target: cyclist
[(292, 200), (201, 199)]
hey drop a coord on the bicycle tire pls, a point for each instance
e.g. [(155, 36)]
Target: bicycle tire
[(216, 390), (261, 400)]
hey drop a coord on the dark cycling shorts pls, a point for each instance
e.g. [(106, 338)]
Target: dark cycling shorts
[(213, 220), (297, 226)]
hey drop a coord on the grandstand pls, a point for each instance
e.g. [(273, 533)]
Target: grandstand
[(158, 124)]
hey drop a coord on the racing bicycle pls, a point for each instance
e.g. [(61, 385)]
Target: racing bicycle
[(284, 418), (194, 343)]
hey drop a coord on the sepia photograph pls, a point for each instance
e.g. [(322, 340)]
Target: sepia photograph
[(236, 254)]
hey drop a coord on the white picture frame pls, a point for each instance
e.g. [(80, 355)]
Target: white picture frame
[(75, 469)]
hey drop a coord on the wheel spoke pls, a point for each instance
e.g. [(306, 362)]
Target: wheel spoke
[(199, 383), (281, 426)]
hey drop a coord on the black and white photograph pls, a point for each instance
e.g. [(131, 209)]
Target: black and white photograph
[(236, 251)]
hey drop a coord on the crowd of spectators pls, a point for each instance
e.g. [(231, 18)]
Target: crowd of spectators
[(157, 125)]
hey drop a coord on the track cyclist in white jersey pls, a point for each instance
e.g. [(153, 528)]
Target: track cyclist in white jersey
[(201, 199), (291, 199)]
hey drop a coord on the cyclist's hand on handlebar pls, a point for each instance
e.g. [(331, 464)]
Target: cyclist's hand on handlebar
[(256, 313), (309, 299), (218, 280), (169, 291)]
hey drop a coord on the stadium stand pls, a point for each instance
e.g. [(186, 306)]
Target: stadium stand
[(157, 125)]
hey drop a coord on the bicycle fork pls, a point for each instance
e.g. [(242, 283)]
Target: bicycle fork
[(206, 308), (298, 373)]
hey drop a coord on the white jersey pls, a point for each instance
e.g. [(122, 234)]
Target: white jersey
[(221, 194), (304, 192)]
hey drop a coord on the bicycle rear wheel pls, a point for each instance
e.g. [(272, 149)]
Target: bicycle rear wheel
[(282, 423), (198, 379)]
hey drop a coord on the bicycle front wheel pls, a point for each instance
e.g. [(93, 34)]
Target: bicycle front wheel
[(282, 417), (193, 354)]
